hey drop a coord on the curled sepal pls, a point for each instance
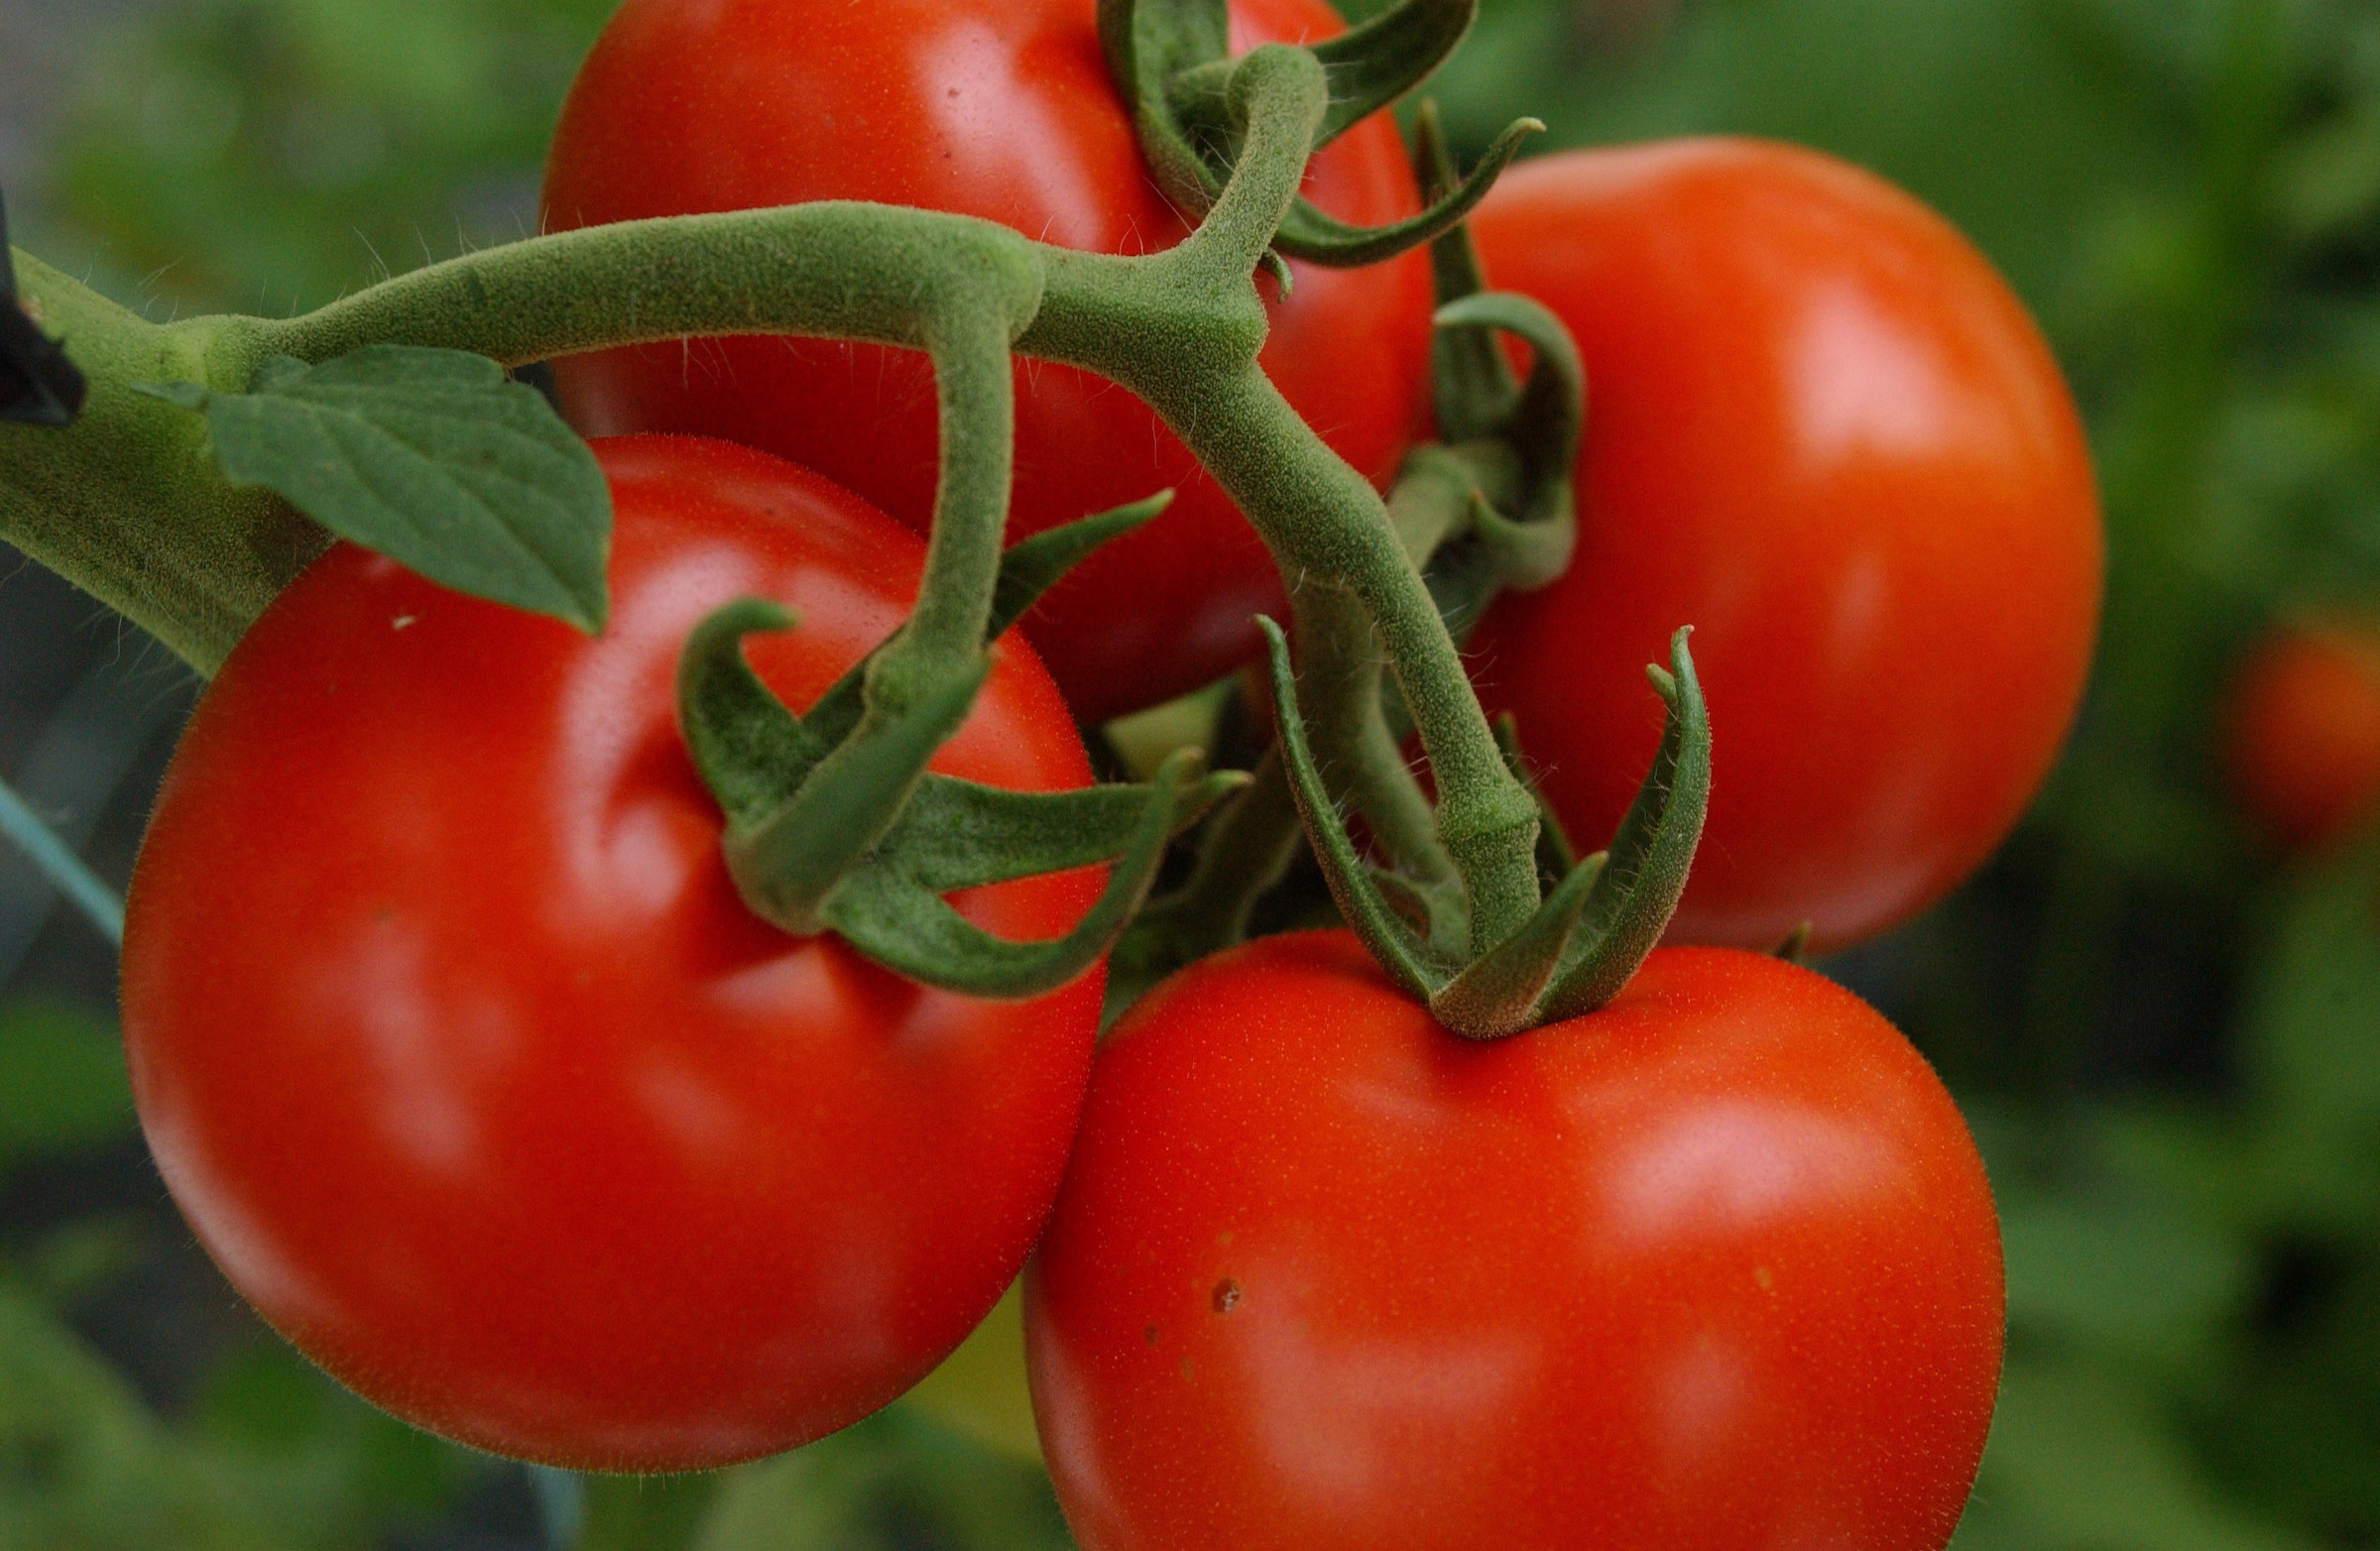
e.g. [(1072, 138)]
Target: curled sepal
[(1546, 421), (1401, 950), (890, 910), (1030, 566), (1796, 946), (750, 749), (1371, 65), (1147, 42), (39, 386), (1528, 554), (960, 834), (743, 740), (1308, 234), (1632, 903), (789, 859)]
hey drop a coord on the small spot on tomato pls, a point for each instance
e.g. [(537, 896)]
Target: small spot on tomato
[(1767, 1280), (1227, 1295), (1149, 1333)]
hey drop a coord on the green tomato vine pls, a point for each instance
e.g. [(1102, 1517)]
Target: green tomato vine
[(833, 823)]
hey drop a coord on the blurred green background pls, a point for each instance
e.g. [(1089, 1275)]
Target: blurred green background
[(2168, 1039)]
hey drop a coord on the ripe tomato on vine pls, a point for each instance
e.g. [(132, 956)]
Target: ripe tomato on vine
[(1000, 109), (1715, 1267), (1823, 431), (457, 1048)]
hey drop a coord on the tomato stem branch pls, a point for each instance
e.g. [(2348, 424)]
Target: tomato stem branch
[(967, 335)]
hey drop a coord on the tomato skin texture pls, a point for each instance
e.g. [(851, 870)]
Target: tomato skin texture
[(1712, 1269), (1000, 109), (2300, 733), (1825, 434), (456, 1045)]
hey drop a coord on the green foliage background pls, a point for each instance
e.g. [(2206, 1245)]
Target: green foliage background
[(2168, 1040)]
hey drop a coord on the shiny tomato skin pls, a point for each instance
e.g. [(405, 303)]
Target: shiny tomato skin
[(456, 1048), (1000, 109), (1713, 1269), (2300, 733), (1825, 434)]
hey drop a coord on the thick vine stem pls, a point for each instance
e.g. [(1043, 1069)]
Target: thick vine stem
[(125, 502), (835, 267), (1322, 519), (1323, 522), (967, 336)]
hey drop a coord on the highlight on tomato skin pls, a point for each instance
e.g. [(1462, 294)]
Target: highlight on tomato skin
[(1715, 1268), (1822, 430), (1000, 109), (2299, 731), (456, 1047)]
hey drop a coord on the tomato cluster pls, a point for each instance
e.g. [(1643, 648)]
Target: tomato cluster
[(455, 1041)]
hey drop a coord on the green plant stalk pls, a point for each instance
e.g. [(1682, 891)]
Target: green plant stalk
[(1123, 320), (125, 502), (967, 335), (1180, 328)]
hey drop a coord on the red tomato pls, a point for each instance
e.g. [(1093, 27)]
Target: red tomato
[(457, 1048), (1822, 432), (1713, 1269), (1000, 109), (2301, 732)]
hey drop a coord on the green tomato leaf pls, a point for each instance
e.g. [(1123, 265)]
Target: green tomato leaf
[(433, 458)]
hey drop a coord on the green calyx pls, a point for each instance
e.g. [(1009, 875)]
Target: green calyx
[(1585, 939), (1171, 62), (834, 823)]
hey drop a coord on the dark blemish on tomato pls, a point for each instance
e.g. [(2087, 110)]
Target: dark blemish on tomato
[(1149, 1333), (1227, 1295)]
